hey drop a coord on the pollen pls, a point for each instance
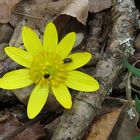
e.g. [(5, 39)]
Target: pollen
[(48, 66)]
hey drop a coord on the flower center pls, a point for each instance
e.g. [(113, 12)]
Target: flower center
[(48, 67)]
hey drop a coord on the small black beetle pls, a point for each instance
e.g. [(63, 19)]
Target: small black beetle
[(67, 60), (46, 76)]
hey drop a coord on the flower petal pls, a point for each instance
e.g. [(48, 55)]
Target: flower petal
[(81, 81), (50, 38), (62, 95), (66, 44), (20, 56), (37, 99), (31, 41), (16, 79), (78, 60)]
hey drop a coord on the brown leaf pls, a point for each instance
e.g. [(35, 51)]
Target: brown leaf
[(99, 5), (77, 9), (125, 128), (10, 126), (4, 13), (31, 133), (102, 128), (137, 42), (5, 9)]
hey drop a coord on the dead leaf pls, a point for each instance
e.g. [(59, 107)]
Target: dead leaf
[(12, 129), (6, 32), (5, 9), (31, 133), (39, 11), (137, 42), (99, 5), (102, 128), (4, 13), (77, 9), (125, 128)]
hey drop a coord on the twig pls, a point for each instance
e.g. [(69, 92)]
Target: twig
[(27, 15), (129, 87), (120, 99)]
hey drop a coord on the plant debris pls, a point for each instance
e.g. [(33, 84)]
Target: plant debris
[(108, 30)]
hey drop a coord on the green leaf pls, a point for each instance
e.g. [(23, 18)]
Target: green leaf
[(137, 105), (136, 137), (131, 68)]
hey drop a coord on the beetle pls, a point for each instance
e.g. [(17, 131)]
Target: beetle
[(46, 76), (67, 60)]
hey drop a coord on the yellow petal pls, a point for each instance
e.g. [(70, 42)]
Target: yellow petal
[(31, 41), (62, 95), (78, 60), (66, 44), (37, 99), (20, 56), (16, 79), (81, 81), (50, 38)]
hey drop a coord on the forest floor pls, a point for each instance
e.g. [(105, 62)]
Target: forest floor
[(110, 31)]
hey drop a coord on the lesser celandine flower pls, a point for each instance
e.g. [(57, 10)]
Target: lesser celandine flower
[(50, 67)]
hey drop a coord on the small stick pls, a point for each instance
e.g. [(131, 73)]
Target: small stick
[(27, 15), (128, 86)]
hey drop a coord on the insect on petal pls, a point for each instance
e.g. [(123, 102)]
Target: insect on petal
[(78, 60), (66, 44)]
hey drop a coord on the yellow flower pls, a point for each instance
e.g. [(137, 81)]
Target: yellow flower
[(49, 67)]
